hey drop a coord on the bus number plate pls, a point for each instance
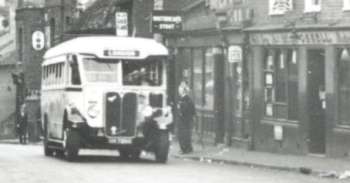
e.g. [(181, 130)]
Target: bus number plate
[(120, 141), (113, 140)]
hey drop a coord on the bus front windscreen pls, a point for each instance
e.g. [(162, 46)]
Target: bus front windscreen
[(147, 72), (100, 71)]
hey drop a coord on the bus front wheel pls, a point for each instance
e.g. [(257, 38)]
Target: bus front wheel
[(71, 144)]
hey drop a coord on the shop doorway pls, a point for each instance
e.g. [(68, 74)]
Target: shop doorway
[(316, 101)]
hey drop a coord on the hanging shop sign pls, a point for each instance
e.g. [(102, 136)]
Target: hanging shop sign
[(279, 7), (166, 21), (38, 40), (121, 24), (300, 38), (235, 54)]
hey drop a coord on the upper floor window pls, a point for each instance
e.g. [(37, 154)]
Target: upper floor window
[(279, 7), (312, 5), (346, 4)]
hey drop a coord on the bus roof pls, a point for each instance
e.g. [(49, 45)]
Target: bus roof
[(121, 47)]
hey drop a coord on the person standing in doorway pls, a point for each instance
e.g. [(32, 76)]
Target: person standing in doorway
[(23, 124), (186, 113)]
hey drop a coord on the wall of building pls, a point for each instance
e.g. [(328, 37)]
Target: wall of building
[(30, 20), (297, 134), (331, 12), (7, 99)]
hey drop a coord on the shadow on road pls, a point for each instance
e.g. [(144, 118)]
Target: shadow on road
[(106, 159)]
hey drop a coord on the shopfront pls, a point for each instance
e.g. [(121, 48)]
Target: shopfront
[(213, 67), (300, 91)]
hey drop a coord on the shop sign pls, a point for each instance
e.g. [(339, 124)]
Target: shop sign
[(234, 54), (279, 7), (38, 40), (121, 24), (301, 38), (166, 21)]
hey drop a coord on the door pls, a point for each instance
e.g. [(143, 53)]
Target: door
[(316, 100)]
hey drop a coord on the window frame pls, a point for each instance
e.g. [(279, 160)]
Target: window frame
[(272, 107), (310, 7), (279, 12), (346, 5), (340, 88)]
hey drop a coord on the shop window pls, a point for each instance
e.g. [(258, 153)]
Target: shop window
[(209, 80), (344, 86), (281, 84), (346, 4), (312, 5), (187, 67), (198, 77)]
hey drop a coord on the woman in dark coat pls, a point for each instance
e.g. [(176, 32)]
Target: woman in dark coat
[(187, 112)]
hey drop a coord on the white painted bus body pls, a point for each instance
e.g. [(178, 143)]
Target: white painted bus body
[(59, 97)]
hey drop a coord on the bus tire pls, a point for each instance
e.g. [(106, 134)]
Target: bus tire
[(47, 150), (71, 144), (162, 147)]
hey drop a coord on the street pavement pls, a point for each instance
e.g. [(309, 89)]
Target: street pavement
[(322, 166), (27, 164)]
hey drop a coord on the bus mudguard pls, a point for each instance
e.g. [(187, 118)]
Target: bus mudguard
[(74, 115)]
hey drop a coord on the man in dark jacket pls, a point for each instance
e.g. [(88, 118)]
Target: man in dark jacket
[(187, 112), (23, 124)]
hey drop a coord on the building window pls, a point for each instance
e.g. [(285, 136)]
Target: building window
[(198, 77), (68, 21), (313, 5), (279, 7), (344, 86), (20, 44), (346, 4), (281, 84), (209, 80), (52, 31)]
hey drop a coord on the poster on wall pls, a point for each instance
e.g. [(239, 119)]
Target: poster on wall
[(279, 7), (234, 54), (122, 28)]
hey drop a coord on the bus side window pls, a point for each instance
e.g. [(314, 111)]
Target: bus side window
[(75, 72)]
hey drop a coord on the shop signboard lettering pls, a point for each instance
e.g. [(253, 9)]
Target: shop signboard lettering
[(301, 38), (166, 21)]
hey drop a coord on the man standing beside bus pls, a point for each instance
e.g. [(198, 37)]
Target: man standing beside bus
[(186, 113), (23, 124)]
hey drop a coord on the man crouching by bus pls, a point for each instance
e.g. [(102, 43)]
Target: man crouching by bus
[(23, 124), (152, 122)]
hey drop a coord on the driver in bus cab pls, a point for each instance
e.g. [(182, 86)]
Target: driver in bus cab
[(143, 79)]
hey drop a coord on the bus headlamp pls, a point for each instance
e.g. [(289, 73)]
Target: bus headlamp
[(93, 111)]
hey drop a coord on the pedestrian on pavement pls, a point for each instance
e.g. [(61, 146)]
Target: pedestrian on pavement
[(187, 112), (23, 124)]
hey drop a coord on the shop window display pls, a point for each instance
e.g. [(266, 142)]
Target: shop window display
[(344, 86), (281, 84)]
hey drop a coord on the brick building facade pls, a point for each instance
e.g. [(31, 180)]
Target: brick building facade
[(288, 93), (299, 54)]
